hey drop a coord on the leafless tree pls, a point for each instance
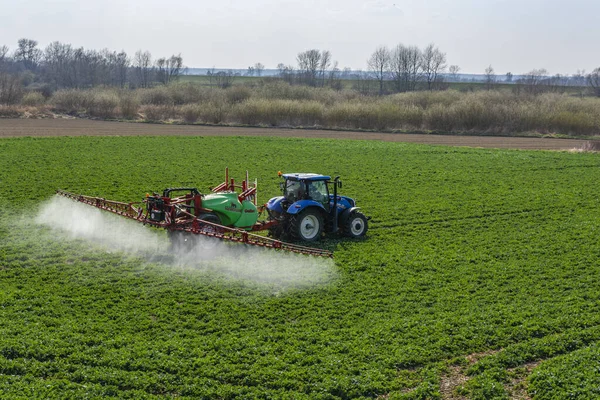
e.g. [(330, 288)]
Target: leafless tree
[(333, 79), (379, 65), (28, 54), (533, 81), (579, 78), (58, 61), (11, 89), (454, 70), (250, 71), (361, 84), (259, 68), (169, 69), (142, 65), (308, 66), (286, 72), (557, 83), (490, 78), (324, 65), (593, 80), (224, 79), (406, 67), (120, 65), (509, 77), (3, 57), (433, 65)]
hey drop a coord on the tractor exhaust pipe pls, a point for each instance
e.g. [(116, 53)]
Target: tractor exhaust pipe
[(335, 202)]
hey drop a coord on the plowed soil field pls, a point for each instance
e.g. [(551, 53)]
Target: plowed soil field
[(82, 127)]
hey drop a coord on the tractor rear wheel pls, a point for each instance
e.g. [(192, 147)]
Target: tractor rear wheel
[(307, 226), (356, 225)]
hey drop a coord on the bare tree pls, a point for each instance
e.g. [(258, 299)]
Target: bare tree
[(58, 61), (324, 65), (28, 54), (334, 80), (433, 65), (11, 89), (286, 72), (360, 84), (120, 66), (509, 77), (490, 78), (259, 68), (579, 78), (224, 79), (593, 80), (533, 81), (169, 69), (142, 65), (250, 71), (308, 66), (454, 70), (379, 65), (406, 67), (3, 57)]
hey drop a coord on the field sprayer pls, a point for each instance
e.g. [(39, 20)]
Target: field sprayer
[(230, 212)]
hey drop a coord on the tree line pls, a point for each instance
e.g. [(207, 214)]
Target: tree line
[(60, 65), (403, 68)]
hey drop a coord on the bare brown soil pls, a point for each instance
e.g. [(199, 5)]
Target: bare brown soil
[(84, 127)]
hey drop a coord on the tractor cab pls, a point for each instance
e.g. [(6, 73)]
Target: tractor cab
[(310, 206), (306, 187)]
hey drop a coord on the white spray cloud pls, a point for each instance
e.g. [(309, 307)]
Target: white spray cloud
[(72, 220)]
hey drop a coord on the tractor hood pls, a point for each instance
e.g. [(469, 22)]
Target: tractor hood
[(343, 202), (275, 204)]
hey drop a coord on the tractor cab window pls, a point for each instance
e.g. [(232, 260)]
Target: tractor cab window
[(294, 191), (317, 190)]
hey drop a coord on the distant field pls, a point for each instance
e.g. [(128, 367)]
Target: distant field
[(481, 266), (349, 83)]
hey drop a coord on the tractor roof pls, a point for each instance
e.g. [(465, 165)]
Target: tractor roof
[(306, 177)]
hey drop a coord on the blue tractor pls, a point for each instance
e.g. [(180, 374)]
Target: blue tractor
[(308, 208)]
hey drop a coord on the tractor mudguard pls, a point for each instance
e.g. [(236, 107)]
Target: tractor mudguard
[(275, 204), (297, 207), (345, 214)]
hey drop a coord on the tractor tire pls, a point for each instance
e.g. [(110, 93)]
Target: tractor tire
[(306, 226), (356, 225)]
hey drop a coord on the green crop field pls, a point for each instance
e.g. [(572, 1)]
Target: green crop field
[(479, 277)]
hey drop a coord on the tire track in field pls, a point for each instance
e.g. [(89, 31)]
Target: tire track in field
[(83, 127)]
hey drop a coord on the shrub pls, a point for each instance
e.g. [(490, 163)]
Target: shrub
[(214, 112), (158, 112), (279, 112), (157, 96), (9, 112), (104, 104), (238, 94), (33, 99), (191, 112), (439, 117), (128, 104), (71, 100), (11, 89)]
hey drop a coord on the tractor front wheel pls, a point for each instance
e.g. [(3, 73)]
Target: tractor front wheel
[(356, 225), (307, 225)]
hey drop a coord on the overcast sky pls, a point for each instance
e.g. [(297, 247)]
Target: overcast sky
[(511, 35)]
